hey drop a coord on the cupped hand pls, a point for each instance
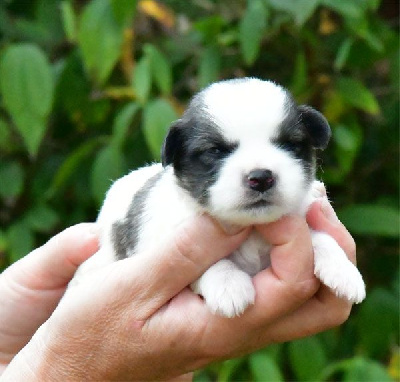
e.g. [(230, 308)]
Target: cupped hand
[(31, 288), (136, 319)]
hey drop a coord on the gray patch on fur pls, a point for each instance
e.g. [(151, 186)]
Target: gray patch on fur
[(125, 232)]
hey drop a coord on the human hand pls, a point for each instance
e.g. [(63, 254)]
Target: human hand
[(31, 288), (136, 320)]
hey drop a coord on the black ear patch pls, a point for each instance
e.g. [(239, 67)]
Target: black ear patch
[(172, 144), (316, 125)]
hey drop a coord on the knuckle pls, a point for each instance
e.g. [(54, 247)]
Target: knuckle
[(304, 290), (187, 248)]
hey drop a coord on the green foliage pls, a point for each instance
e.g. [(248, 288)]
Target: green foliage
[(27, 87), (89, 88), (100, 38), (307, 357), (251, 29)]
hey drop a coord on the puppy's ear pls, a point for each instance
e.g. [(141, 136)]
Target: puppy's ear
[(316, 125), (172, 144)]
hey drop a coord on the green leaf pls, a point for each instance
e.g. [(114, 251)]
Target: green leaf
[(251, 30), (343, 53), (357, 369), (209, 67), (5, 136), (227, 369), (71, 163), (366, 370), (3, 244), (209, 28), (348, 138), (27, 86), (160, 68), (303, 10), (374, 4), (12, 179), (378, 314), (107, 167), (141, 80), (299, 80), (361, 28), (264, 368), (357, 95), (123, 10), (42, 218), (370, 219), (202, 376), (20, 240), (348, 8), (69, 20), (157, 116), (300, 10), (307, 358), (100, 38), (122, 122), (48, 17)]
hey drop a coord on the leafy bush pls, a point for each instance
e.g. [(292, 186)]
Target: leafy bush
[(88, 89)]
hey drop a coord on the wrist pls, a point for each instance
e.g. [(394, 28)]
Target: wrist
[(26, 367), (37, 362)]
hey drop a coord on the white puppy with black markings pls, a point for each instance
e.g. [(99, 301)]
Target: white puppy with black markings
[(244, 153)]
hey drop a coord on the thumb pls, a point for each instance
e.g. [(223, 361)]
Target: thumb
[(154, 278), (322, 217), (53, 265)]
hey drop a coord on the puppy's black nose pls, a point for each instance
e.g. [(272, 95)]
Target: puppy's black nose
[(260, 180)]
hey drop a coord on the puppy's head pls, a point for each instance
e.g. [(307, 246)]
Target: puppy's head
[(245, 151)]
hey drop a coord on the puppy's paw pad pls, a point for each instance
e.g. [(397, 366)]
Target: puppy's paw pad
[(232, 295), (344, 279)]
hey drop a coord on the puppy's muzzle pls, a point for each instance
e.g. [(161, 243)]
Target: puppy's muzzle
[(260, 180)]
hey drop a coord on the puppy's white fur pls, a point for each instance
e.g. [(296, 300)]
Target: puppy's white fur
[(248, 114)]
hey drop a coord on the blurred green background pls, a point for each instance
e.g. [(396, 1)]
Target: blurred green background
[(88, 89)]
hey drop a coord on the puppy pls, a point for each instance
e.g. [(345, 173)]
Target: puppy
[(244, 153)]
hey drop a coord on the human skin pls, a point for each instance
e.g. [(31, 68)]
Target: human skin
[(136, 319)]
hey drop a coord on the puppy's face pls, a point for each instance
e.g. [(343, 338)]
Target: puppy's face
[(245, 151)]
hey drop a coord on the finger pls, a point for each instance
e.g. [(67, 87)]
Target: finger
[(154, 278), (320, 313), (290, 280), (322, 217), (291, 254), (53, 265)]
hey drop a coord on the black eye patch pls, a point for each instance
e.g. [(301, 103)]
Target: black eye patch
[(214, 152), (294, 146)]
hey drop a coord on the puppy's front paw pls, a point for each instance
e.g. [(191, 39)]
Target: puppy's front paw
[(318, 189), (231, 297), (344, 279), (336, 271), (227, 292)]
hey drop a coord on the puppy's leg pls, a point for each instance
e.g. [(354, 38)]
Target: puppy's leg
[(335, 270), (227, 290), (331, 264)]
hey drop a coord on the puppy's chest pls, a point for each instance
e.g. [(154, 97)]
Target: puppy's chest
[(253, 255)]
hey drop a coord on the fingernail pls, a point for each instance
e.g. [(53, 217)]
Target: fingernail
[(328, 211)]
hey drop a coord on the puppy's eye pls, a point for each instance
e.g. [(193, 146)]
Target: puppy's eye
[(293, 146), (215, 151)]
